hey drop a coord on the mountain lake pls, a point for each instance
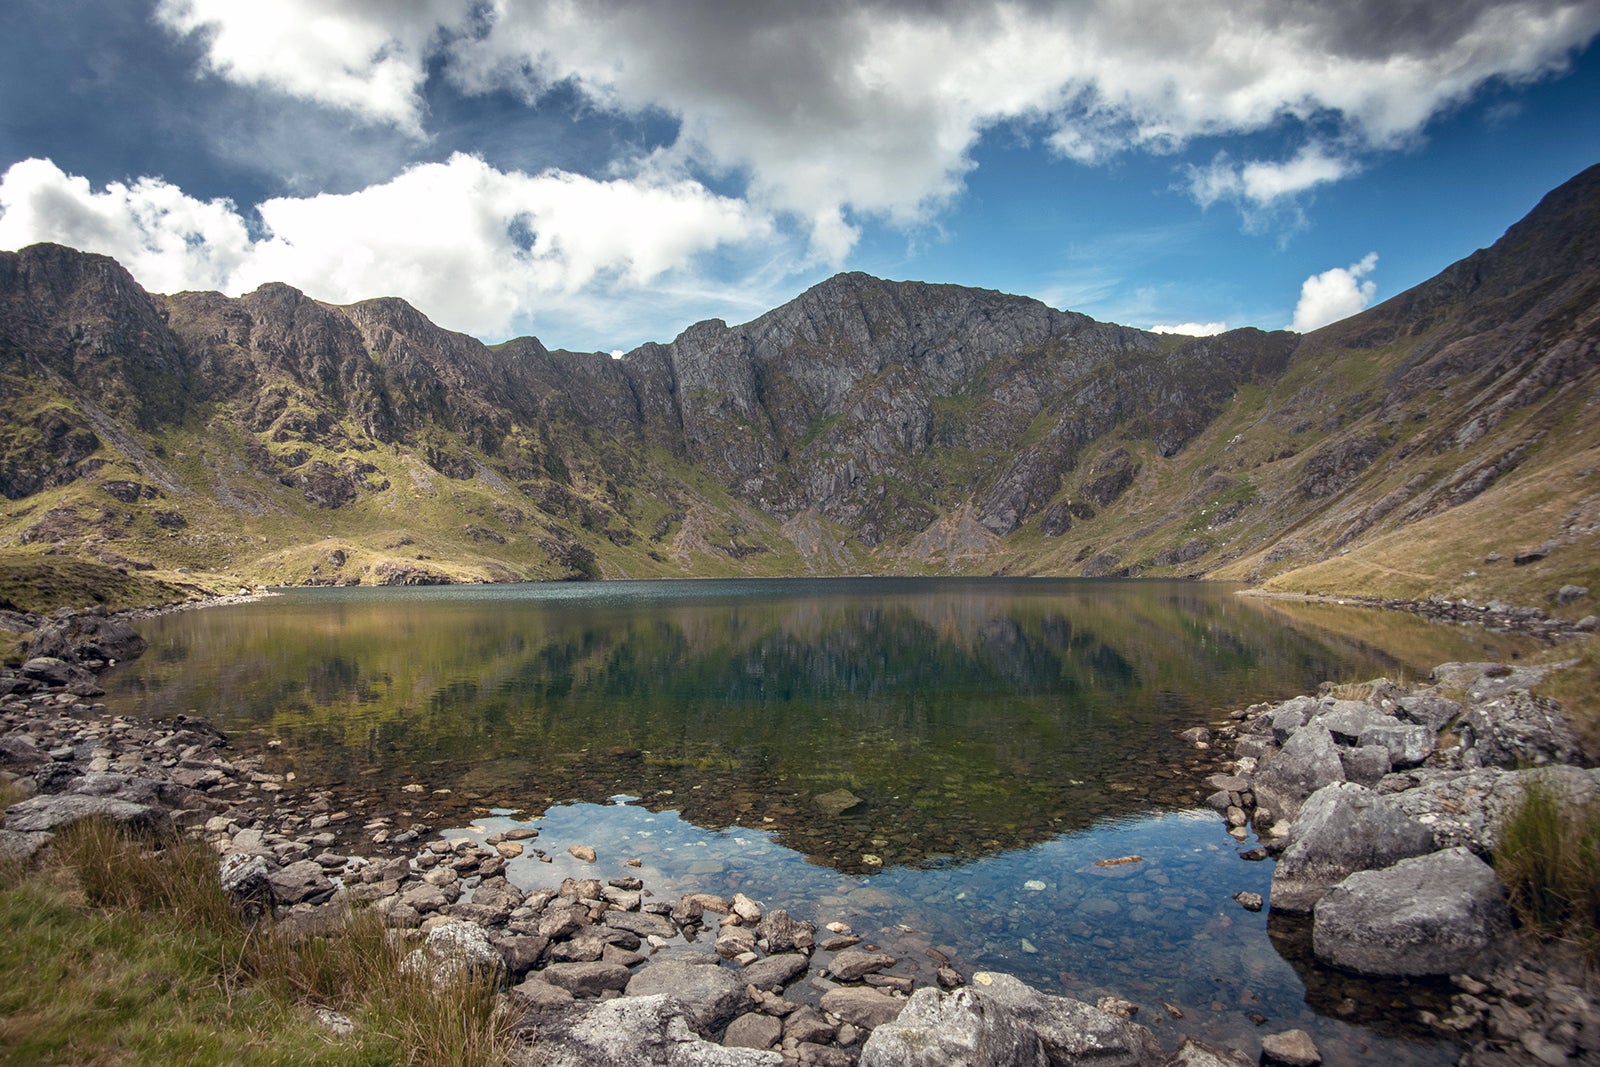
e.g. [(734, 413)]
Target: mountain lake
[(938, 763)]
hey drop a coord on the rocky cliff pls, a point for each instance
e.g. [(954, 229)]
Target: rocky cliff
[(867, 425)]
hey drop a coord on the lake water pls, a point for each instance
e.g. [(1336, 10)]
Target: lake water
[(995, 737)]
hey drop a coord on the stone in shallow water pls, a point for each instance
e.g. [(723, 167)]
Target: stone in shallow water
[(836, 803), (1292, 1048)]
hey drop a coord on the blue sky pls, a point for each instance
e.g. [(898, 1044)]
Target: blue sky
[(605, 174)]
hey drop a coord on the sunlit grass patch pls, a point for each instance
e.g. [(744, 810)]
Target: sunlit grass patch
[(134, 954)]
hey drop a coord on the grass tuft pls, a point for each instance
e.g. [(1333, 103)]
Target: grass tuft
[(1549, 856)]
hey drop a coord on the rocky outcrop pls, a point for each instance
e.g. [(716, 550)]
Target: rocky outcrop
[(1342, 828)]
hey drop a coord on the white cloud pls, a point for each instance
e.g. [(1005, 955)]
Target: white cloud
[(1192, 329), (1335, 294), (1261, 184), (365, 56), (837, 110), (475, 248), (168, 240)]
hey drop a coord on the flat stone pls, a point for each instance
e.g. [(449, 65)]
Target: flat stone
[(853, 963), (753, 1030), (775, 971), (586, 979), (866, 1008), (53, 812), (711, 994), (536, 994), (1197, 1053)]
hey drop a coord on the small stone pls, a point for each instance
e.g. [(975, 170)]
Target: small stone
[(582, 852), (1249, 901), (1292, 1048), (509, 849)]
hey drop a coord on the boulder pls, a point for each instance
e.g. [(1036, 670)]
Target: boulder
[(1517, 730), (863, 1007), (303, 880), (51, 813), (587, 979), (21, 848), (753, 1030), (784, 933), (1343, 828), (954, 1030), (455, 951), (1346, 719), (1307, 761), (711, 994), (1070, 1031), (775, 971), (1467, 807), (1429, 709), (1365, 764), (1407, 743), (1444, 913), (854, 964), (1291, 1048), (633, 1030)]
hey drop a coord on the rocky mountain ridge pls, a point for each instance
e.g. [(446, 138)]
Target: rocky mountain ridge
[(867, 425)]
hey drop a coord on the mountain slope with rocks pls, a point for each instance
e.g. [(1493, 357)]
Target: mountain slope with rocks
[(866, 426)]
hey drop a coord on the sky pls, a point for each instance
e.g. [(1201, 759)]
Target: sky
[(601, 174)]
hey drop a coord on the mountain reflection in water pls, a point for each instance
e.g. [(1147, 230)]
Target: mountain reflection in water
[(969, 716)]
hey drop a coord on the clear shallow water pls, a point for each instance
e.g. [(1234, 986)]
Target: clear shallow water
[(996, 732)]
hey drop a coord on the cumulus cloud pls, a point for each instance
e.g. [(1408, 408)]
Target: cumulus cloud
[(1191, 329), (168, 240), (1335, 294), (834, 111), (363, 56), (475, 248)]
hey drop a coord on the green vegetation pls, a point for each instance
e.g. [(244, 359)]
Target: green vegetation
[(42, 584), (1549, 856), (134, 954)]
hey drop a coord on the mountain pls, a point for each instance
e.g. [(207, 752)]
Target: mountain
[(865, 426)]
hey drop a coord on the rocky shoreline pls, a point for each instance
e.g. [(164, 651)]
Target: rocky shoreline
[(600, 971), (1496, 616), (1381, 802)]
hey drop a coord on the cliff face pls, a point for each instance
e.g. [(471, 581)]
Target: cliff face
[(865, 425)]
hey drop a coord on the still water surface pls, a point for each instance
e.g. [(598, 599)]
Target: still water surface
[(999, 736)]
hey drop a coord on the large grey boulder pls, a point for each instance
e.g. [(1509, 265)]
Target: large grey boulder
[(1343, 828), (711, 995), (1517, 730), (1444, 913), (1467, 807), (1308, 760), (51, 813), (630, 1031), (955, 1030), (1070, 1031)]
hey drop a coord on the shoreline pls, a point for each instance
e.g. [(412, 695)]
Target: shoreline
[(263, 816), (1495, 616)]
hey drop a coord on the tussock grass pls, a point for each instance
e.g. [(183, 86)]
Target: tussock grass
[(138, 956), (1549, 856)]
